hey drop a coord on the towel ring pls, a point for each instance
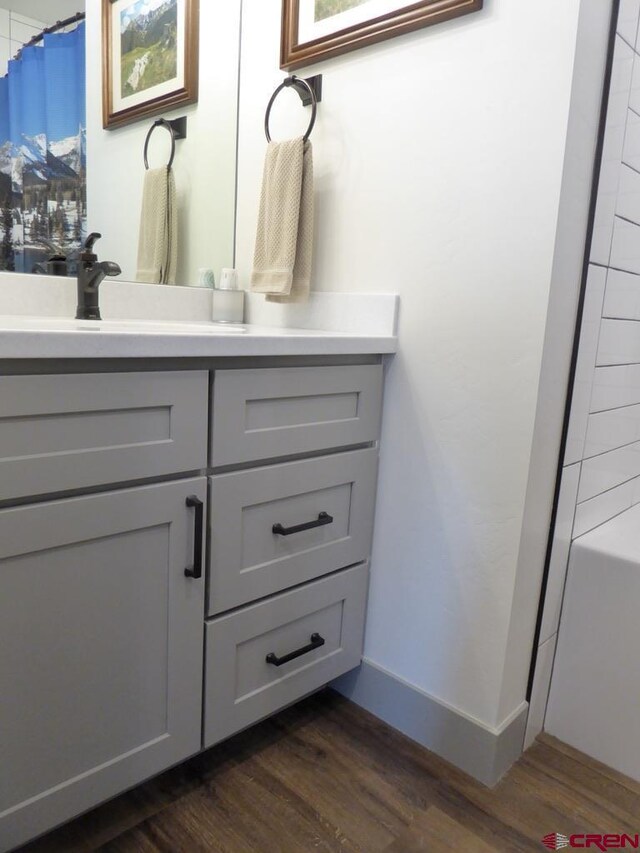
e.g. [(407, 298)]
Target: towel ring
[(161, 122), (298, 83)]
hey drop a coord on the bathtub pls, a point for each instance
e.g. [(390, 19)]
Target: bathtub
[(594, 703)]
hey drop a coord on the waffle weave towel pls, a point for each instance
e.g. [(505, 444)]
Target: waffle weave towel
[(158, 244), (284, 239)]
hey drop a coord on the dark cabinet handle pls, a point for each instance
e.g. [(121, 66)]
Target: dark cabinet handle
[(195, 571), (323, 518), (316, 642)]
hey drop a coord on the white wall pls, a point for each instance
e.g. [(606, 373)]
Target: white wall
[(205, 161), (438, 170)]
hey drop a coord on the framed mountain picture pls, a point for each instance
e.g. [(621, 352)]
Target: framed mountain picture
[(317, 29), (149, 57)]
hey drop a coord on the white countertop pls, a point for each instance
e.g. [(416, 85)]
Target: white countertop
[(26, 337)]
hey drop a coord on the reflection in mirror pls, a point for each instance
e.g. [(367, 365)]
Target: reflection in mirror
[(204, 165), (44, 204), (42, 134)]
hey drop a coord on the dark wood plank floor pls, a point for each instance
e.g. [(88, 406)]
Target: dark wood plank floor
[(326, 776)]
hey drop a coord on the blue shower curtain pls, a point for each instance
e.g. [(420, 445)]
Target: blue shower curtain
[(43, 163)]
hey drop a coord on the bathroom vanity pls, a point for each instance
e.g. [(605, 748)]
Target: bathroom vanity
[(184, 541)]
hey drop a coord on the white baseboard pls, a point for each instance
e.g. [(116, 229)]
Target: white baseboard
[(484, 753)]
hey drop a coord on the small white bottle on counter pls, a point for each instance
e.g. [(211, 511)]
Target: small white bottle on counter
[(228, 300)]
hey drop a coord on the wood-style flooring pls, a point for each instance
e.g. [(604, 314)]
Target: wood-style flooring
[(326, 776)]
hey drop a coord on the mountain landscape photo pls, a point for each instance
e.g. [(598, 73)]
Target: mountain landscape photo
[(149, 45)]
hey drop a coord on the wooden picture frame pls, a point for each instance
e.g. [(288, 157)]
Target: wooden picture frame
[(298, 50), (150, 61)]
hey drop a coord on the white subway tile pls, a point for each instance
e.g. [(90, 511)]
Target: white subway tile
[(615, 386), (540, 692), (619, 342), (589, 334), (603, 223), (601, 473), (625, 248), (621, 84), (628, 204), (631, 151), (560, 551), (610, 430), (17, 18), (634, 97), (621, 80), (622, 296), (5, 24), (22, 33), (596, 511), (5, 55), (628, 20)]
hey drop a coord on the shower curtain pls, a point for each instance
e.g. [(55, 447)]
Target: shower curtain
[(43, 152)]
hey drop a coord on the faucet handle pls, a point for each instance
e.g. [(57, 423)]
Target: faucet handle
[(90, 242)]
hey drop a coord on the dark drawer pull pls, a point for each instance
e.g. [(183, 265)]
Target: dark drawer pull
[(195, 571), (322, 519), (316, 642)]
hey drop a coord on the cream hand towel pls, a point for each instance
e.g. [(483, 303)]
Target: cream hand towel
[(158, 245), (284, 240)]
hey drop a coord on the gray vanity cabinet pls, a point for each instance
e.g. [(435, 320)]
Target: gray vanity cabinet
[(102, 650), (141, 623)]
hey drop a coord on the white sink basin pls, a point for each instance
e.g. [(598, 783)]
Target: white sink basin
[(134, 327)]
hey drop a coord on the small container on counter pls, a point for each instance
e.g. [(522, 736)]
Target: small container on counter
[(228, 300), (206, 278)]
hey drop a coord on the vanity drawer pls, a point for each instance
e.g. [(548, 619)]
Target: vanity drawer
[(77, 431), (249, 560), (241, 687), (263, 414)]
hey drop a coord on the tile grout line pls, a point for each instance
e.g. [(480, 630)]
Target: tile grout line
[(608, 490), (606, 520), (613, 408), (624, 218), (624, 446)]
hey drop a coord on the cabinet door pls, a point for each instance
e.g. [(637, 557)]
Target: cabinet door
[(101, 650)]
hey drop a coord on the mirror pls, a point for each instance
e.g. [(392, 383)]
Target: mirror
[(204, 165)]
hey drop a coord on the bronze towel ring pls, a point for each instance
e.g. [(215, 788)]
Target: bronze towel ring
[(161, 122), (305, 90)]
